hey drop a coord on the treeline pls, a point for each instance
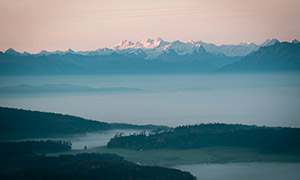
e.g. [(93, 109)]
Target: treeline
[(48, 146), (266, 139), (21, 124), (85, 166), (141, 127)]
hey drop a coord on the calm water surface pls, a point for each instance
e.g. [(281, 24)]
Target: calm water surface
[(244, 171)]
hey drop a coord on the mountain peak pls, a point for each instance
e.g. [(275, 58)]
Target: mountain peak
[(159, 39), (146, 43), (270, 42), (192, 42), (294, 41), (11, 51), (246, 43), (124, 44), (146, 40), (149, 43), (43, 52), (26, 53), (71, 51)]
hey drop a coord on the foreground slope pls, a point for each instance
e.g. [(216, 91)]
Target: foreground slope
[(82, 167)]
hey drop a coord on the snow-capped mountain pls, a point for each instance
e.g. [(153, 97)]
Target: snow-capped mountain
[(270, 42), (283, 56), (156, 47), (168, 57), (153, 48), (44, 52), (242, 49), (143, 44)]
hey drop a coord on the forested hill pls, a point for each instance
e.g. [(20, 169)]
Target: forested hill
[(83, 167), (22, 148), (20, 124), (266, 139)]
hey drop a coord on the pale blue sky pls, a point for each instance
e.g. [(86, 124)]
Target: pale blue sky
[(33, 25)]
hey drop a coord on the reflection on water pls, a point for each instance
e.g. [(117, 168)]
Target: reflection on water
[(244, 171)]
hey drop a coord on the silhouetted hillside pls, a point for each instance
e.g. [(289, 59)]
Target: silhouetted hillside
[(266, 139), (9, 149), (21, 124), (83, 167)]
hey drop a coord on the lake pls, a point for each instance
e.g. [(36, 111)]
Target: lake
[(244, 171), (271, 99)]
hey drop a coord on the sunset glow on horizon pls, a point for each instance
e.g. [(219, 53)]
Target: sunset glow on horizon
[(35, 25)]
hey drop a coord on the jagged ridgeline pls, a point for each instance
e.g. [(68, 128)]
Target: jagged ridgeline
[(21, 124), (266, 139), (157, 57)]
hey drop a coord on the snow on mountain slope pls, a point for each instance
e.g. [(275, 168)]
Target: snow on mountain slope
[(153, 48), (143, 44), (270, 42)]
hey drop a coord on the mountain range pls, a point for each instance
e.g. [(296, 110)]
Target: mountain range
[(283, 56), (152, 48), (157, 56)]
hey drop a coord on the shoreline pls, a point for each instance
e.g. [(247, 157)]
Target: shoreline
[(211, 155)]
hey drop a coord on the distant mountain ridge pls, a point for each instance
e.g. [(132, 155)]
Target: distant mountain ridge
[(155, 56), (131, 61), (63, 88), (278, 57), (152, 48)]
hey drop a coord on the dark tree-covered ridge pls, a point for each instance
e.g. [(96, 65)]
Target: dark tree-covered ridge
[(86, 166), (21, 124), (266, 139), (34, 147)]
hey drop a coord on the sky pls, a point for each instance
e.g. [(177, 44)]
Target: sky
[(35, 25)]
